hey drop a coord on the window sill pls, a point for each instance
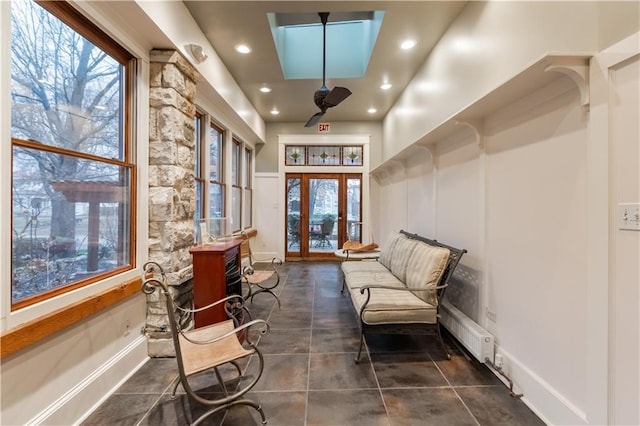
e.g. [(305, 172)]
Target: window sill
[(27, 334)]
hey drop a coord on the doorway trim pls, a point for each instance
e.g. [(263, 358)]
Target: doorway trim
[(303, 236), (283, 169)]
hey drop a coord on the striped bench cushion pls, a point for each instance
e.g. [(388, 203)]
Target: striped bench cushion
[(424, 269), (393, 307)]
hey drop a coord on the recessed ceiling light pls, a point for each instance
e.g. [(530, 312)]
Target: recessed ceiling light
[(265, 89), (242, 48), (372, 110), (385, 86), (407, 44), (275, 111)]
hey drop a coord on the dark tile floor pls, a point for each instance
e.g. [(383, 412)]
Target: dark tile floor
[(310, 377)]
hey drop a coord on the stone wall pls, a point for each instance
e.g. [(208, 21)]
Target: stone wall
[(172, 197)]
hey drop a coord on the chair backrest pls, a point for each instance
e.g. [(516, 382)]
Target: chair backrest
[(294, 224), (245, 248), (155, 279), (327, 226)]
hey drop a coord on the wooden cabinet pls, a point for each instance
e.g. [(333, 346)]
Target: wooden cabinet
[(216, 274)]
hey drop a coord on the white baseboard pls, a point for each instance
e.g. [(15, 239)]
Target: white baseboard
[(545, 401), (265, 256), (87, 395)]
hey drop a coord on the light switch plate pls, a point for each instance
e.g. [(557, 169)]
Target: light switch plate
[(628, 216)]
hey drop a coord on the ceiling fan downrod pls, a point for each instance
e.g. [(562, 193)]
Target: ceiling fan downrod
[(324, 17)]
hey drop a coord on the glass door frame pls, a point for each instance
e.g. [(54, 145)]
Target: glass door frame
[(304, 251)]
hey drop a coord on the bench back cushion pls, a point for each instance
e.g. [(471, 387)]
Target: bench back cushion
[(424, 268), (401, 253), (386, 251)]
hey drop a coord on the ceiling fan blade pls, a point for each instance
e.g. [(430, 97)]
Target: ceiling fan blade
[(314, 119), (335, 96)]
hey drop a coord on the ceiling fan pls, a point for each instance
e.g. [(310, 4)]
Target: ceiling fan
[(323, 97)]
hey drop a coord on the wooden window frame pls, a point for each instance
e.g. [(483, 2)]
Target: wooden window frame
[(236, 181), (248, 185), (220, 181), (84, 27), (24, 335)]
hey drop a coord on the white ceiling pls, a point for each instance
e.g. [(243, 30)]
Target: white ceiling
[(227, 23)]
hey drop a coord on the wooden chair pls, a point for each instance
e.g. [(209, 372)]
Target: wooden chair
[(209, 348), (259, 280)]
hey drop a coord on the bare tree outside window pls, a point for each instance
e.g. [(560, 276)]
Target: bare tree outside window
[(71, 175)]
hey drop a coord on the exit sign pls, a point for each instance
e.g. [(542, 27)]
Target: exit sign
[(324, 127)]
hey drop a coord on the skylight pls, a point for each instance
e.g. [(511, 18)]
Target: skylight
[(350, 41)]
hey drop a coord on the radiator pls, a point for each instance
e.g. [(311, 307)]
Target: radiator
[(474, 338)]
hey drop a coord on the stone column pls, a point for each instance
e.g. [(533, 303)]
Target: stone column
[(172, 196)]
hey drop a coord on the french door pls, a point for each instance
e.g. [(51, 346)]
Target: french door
[(323, 210)]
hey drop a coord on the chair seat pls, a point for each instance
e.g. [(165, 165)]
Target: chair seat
[(259, 277), (200, 357)]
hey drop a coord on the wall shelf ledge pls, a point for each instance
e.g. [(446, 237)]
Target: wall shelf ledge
[(542, 72)]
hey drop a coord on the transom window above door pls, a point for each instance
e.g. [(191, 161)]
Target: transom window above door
[(324, 155)]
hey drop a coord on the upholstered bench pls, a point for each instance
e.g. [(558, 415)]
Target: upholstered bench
[(400, 293)]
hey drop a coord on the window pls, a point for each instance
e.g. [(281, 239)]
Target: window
[(248, 189), (310, 155), (236, 186), (199, 174), (216, 172), (72, 165)]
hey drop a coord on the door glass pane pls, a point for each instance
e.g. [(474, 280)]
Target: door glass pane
[(323, 214), (293, 214), (354, 221)]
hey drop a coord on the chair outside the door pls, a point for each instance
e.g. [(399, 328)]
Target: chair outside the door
[(322, 238)]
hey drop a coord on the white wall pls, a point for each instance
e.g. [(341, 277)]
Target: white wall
[(536, 248), (267, 214), (624, 285), (267, 158), (532, 196), (61, 378), (520, 214), (487, 44), (420, 193), (529, 196)]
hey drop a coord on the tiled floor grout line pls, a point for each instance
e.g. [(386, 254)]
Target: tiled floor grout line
[(375, 375), (313, 306), (328, 310), (259, 339), (157, 401), (454, 390)]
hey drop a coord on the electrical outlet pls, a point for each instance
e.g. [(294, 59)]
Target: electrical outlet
[(628, 216), (490, 314)]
